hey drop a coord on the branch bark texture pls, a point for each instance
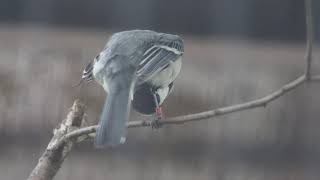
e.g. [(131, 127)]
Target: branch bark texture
[(51, 160)]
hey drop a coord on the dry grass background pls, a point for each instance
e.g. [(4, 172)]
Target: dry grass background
[(39, 66)]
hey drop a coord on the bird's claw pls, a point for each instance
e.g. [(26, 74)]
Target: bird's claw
[(156, 122)]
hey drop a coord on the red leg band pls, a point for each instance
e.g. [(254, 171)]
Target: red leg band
[(159, 112)]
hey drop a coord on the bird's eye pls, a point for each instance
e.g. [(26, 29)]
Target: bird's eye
[(97, 57)]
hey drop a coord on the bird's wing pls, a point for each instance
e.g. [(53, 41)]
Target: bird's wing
[(158, 57)]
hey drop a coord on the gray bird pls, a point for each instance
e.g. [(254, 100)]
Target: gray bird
[(135, 68)]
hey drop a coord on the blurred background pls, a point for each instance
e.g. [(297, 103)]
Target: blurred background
[(235, 51)]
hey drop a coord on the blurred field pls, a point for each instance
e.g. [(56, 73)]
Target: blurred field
[(39, 66)]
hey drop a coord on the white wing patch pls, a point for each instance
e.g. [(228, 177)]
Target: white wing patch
[(157, 58), (147, 51), (154, 50), (177, 52), (149, 55)]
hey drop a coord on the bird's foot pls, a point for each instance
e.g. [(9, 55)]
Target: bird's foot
[(156, 122)]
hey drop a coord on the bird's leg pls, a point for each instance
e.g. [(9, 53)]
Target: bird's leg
[(155, 123)]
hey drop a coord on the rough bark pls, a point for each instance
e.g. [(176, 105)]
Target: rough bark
[(51, 160)]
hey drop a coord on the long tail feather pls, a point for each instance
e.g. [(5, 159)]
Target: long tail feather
[(115, 113)]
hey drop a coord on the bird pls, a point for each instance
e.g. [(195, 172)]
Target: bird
[(137, 68)]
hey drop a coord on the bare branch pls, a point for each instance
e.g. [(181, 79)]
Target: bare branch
[(85, 132), (309, 34), (69, 132), (88, 132), (51, 160)]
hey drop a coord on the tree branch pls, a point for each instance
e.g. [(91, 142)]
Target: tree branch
[(69, 132), (309, 36), (51, 160), (88, 132)]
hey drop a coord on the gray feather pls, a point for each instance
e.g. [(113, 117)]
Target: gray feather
[(155, 65), (115, 112), (129, 59)]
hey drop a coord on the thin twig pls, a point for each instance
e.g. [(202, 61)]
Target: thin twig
[(229, 109), (198, 116), (309, 34), (69, 132)]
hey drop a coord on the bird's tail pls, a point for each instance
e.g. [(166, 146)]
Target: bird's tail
[(112, 125)]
